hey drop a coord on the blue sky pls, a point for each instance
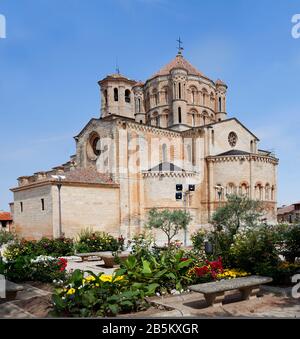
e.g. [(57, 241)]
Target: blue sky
[(57, 50)]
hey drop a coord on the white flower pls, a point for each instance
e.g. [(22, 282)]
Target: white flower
[(42, 259)]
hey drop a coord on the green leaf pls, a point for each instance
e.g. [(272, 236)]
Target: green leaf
[(171, 275), (184, 263), (77, 277), (131, 262), (160, 273), (120, 272), (127, 303), (137, 285), (146, 267), (88, 299), (58, 301), (113, 308), (151, 288), (178, 286)]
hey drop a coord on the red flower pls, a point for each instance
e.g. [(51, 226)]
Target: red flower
[(201, 271), (62, 263)]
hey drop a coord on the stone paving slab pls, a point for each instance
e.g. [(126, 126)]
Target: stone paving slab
[(10, 310), (96, 266), (268, 306)]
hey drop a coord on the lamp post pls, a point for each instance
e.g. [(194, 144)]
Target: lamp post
[(59, 179), (186, 204)]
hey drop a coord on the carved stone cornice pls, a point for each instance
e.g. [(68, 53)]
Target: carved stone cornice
[(158, 174), (149, 129), (250, 157)]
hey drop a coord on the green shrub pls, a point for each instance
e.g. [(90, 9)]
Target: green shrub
[(289, 237), (60, 247), (99, 295), (47, 247), (169, 270), (26, 268), (6, 237), (254, 250), (198, 239), (89, 241)]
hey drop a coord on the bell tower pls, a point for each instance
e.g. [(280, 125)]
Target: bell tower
[(117, 96)]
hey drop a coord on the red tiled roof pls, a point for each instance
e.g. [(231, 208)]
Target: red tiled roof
[(178, 62), (220, 82), (5, 216), (87, 175), (285, 209), (139, 84)]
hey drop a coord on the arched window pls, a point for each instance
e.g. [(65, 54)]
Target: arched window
[(204, 99), (251, 147), (189, 153), (165, 95), (220, 104), (231, 189), (179, 90), (164, 153), (273, 193), (213, 137), (138, 105), (105, 97), (193, 120), (193, 95), (244, 190), (127, 96), (267, 192), (179, 115), (116, 94), (205, 117), (259, 192)]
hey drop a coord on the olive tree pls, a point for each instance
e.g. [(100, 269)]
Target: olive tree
[(169, 222)]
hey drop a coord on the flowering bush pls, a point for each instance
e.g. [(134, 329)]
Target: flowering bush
[(97, 295), (42, 268), (198, 239), (89, 241), (6, 237), (232, 274), (254, 250), (44, 247), (208, 272)]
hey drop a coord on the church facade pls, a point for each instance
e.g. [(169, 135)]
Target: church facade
[(166, 143)]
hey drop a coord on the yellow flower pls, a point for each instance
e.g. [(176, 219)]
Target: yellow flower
[(106, 278), (121, 277), (90, 278), (71, 291)]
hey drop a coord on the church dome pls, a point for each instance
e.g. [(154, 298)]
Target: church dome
[(179, 62)]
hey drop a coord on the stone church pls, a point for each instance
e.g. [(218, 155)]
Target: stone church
[(165, 143)]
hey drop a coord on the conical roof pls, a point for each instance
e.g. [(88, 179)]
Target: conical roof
[(179, 62)]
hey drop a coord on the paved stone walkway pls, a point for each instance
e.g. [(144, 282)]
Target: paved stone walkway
[(194, 305), (35, 301)]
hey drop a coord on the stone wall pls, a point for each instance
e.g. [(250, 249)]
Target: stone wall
[(33, 223), (85, 207)]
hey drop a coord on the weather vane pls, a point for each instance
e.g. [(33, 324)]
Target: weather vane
[(180, 48)]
